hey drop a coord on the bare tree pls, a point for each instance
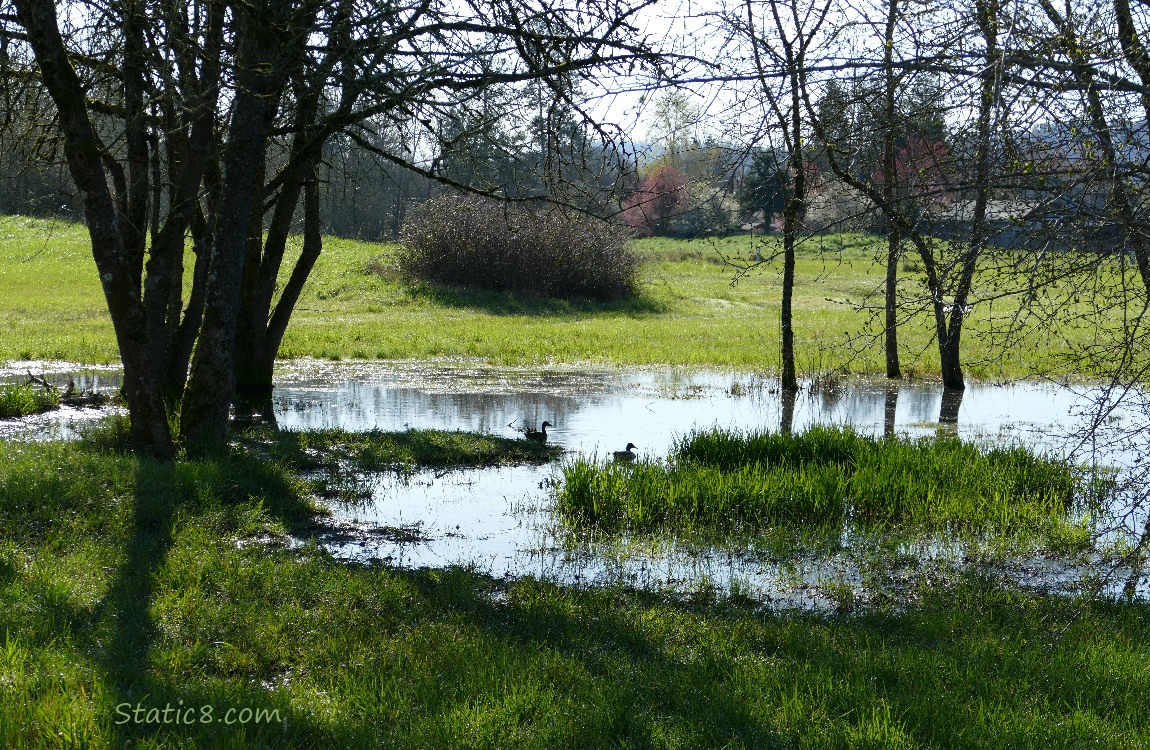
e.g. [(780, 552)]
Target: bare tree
[(171, 111), (780, 36)]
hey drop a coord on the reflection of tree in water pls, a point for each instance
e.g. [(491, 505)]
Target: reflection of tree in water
[(889, 407), (360, 405), (787, 419), (951, 401), (830, 395), (948, 413)]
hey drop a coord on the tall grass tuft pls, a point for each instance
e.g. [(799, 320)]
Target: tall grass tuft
[(478, 243), (719, 479), (21, 400)]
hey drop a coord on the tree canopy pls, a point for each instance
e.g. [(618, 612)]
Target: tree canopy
[(210, 118)]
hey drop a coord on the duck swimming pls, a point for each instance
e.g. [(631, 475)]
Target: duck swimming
[(626, 455), (540, 435)]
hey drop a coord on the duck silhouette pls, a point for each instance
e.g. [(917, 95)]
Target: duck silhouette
[(540, 435), (626, 455)]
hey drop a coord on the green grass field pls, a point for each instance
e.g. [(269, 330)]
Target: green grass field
[(128, 588), (160, 606), (689, 312)]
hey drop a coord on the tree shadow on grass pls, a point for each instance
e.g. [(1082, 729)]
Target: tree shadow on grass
[(508, 303), (209, 707), (630, 664), (694, 676)]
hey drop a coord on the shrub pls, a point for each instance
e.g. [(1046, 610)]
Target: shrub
[(480, 243)]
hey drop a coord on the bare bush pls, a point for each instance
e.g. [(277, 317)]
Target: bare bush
[(479, 243)]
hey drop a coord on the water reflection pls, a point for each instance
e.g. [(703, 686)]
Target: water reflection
[(500, 520), (788, 398), (601, 410), (889, 409), (65, 422), (951, 403)]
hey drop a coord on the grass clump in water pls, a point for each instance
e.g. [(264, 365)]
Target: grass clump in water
[(722, 480), (646, 495), (377, 450), (21, 400)]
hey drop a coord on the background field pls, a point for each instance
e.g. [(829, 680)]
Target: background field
[(691, 311)]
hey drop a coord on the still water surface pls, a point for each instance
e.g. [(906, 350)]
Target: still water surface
[(499, 519)]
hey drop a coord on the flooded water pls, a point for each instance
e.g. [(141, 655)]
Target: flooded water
[(598, 411), (499, 520), (65, 422)]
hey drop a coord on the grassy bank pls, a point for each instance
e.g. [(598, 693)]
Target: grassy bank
[(376, 450), (689, 313), (21, 400), (127, 586), (721, 480)]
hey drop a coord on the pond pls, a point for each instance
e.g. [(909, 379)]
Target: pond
[(64, 422), (499, 520)]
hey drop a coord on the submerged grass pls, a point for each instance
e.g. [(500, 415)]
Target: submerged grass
[(18, 400), (376, 450), (723, 480), (128, 587), (344, 459)]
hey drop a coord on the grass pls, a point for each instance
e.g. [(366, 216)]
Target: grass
[(18, 400), (124, 584), (342, 459), (688, 312), (722, 480), (376, 450)]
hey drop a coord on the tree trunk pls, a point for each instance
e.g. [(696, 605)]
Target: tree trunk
[(790, 381), (793, 213), (211, 382), (948, 351), (890, 331), (949, 345), (312, 247), (889, 188), (84, 153), (256, 347)]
